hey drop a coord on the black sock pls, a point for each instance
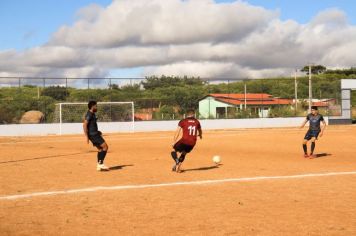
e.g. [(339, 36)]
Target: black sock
[(102, 155), (174, 156), (182, 157), (305, 148), (98, 156), (312, 147)]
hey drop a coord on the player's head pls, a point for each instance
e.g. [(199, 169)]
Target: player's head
[(314, 110), (190, 112), (92, 106)]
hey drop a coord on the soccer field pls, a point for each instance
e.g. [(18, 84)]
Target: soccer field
[(264, 185)]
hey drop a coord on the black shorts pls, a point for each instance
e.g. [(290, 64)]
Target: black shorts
[(312, 133), (97, 140), (182, 147)]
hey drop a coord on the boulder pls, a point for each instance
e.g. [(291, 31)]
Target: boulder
[(32, 117)]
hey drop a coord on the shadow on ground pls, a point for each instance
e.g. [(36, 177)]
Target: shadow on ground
[(203, 168), (40, 158), (322, 155), (119, 167)]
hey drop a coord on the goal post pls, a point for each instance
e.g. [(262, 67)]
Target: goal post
[(108, 112)]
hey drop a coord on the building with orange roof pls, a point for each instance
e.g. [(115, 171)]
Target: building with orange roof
[(220, 105)]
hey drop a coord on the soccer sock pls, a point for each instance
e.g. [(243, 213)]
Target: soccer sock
[(102, 155), (174, 156), (182, 157), (305, 148), (98, 156), (312, 147)]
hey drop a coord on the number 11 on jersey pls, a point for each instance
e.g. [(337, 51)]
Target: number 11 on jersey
[(192, 130)]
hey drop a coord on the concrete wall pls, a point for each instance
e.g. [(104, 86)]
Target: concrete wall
[(346, 86), (146, 126)]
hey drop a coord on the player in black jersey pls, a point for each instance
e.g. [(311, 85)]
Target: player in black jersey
[(314, 131), (92, 133)]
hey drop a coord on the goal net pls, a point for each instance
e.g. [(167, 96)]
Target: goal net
[(74, 112)]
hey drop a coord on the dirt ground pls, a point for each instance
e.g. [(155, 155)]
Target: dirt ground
[(305, 205)]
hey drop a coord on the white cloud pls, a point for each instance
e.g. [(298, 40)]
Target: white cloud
[(192, 37), (151, 22), (90, 13)]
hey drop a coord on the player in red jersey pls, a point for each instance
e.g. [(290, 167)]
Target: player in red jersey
[(191, 129)]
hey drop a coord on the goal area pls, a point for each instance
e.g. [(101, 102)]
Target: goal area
[(108, 112)]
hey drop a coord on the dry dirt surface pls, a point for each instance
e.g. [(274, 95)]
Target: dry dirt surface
[(264, 185)]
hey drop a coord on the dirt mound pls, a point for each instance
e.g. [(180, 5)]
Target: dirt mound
[(32, 117)]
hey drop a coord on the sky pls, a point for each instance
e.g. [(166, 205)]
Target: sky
[(206, 38)]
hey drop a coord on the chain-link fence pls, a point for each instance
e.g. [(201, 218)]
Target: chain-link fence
[(166, 98)]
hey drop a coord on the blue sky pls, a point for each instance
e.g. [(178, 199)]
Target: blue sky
[(25, 23), (304, 10), (29, 24)]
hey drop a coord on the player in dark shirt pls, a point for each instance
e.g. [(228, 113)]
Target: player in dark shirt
[(314, 131), (191, 129), (92, 133)]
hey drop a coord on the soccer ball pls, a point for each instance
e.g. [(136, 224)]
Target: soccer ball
[(216, 159)]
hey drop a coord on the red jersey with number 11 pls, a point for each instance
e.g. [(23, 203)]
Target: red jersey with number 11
[(190, 127)]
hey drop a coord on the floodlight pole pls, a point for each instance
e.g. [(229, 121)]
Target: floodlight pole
[(245, 95), (296, 90), (310, 87)]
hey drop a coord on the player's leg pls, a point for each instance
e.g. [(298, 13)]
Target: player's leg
[(180, 161), (307, 137), (98, 154), (186, 149), (97, 142), (182, 157), (102, 146), (102, 154), (305, 148), (174, 155), (177, 148), (312, 146)]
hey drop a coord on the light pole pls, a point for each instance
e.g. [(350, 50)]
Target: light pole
[(310, 87), (296, 90), (245, 96)]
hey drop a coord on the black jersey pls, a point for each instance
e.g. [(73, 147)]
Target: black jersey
[(90, 117), (314, 121)]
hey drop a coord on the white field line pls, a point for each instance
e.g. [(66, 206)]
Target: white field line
[(108, 138), (144, 186)]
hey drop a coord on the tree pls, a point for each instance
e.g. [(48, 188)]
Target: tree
[(154, 82), (347, 72), (315, 69), (57, 92)]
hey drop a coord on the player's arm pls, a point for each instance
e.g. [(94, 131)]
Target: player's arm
[(324, 127), (85, 129), (177, 134), (303, 124), (200, 133)]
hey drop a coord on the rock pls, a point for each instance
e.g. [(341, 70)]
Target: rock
[(32, 117)]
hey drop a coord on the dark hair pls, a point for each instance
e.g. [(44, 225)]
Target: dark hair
[(191, 111), (314, 108), (91, 104)]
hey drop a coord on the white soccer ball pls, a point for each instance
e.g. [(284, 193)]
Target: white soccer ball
[(216, 159)]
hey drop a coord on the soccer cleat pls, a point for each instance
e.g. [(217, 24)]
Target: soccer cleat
[(174, 168), (306, 155), (102, 167), (312, 156)]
